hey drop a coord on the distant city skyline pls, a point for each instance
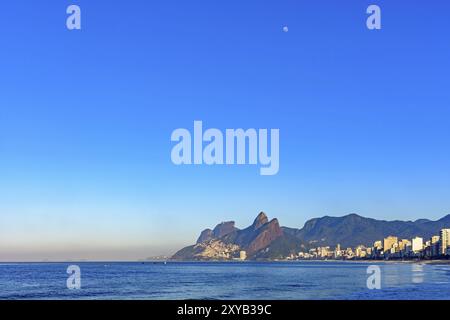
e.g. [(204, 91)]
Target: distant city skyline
[(390, 248), (86, 118)]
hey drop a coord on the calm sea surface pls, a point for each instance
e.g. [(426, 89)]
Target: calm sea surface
[(277, 280)]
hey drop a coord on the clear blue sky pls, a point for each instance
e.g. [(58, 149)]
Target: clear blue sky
[(86, 118)]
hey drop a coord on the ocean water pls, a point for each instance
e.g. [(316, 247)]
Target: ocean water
[(246, 280)]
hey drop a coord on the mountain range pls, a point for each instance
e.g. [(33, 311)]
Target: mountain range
[(266, 239)]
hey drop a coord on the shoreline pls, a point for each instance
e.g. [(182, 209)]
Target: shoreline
[(429, 262)]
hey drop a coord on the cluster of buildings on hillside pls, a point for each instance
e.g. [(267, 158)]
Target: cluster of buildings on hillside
[(392, 247)]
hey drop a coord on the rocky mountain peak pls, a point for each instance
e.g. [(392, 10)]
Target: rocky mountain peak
[(264, 236), (260, 220), (224, 228), (206, 235)]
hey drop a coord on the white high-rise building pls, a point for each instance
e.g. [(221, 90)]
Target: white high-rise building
[(388, 243), (417, 244), (444, 241)]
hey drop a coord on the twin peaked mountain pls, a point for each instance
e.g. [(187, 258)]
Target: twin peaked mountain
[(266, 240), (226, 241)]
